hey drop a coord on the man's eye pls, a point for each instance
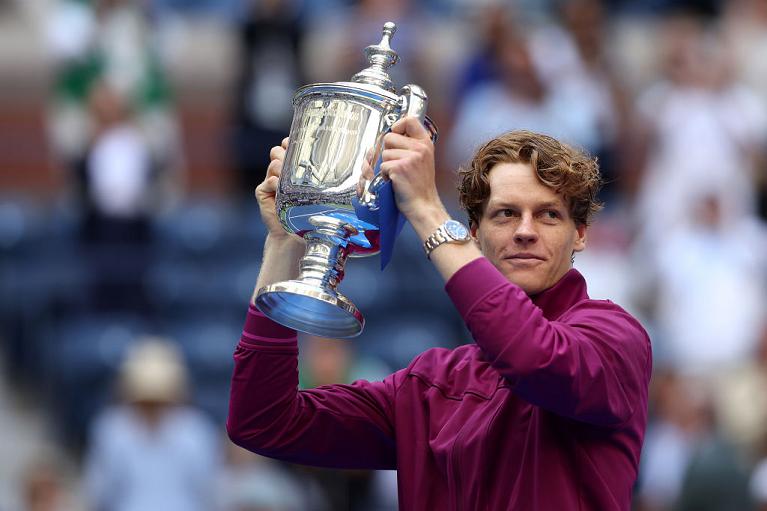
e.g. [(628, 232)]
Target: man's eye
[(551, 214), (506, 212)]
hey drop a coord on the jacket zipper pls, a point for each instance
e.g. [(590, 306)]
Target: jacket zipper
[(456, 469)]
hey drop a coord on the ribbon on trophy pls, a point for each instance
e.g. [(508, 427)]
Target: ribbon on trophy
[(387, 217)]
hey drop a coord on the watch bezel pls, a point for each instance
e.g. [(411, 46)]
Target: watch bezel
[(456, 230)]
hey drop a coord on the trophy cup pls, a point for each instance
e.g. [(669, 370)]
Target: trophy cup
[(337, 130)]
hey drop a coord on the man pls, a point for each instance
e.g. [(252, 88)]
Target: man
[(546, 411)]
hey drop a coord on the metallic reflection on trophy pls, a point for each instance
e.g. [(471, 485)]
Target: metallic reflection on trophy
[(337, 131)]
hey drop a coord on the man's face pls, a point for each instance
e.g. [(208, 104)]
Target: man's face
[(526, 230)]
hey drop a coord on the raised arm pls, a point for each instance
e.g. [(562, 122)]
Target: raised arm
[(593, 362), (343, 426)]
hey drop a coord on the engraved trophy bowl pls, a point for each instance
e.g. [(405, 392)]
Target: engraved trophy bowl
[(335, 137)]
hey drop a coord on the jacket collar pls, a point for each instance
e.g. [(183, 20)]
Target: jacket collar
[(560, 297)]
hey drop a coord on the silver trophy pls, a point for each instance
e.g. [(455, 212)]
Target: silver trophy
[(337, 132)]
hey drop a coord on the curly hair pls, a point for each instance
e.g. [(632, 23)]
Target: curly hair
[(566, 170)]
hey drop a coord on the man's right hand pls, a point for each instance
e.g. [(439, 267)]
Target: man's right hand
[(267, 191), (282, 250)]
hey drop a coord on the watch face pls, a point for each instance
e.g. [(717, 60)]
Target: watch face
[(456, 230)]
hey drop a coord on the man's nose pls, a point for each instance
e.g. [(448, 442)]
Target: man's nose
[(525, 232)]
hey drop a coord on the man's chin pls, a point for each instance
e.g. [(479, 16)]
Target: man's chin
[(525, 279)]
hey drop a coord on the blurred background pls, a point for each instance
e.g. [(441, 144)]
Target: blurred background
[(132, 135)]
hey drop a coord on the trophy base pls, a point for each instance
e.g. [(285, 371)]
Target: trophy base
[(310, 309)]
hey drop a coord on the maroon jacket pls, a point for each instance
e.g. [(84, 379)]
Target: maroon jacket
[(547, 411)]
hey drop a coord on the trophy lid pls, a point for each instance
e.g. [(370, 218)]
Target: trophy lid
[(381, 57)]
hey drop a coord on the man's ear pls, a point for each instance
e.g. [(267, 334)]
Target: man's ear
[(473, 228), (580, 240)]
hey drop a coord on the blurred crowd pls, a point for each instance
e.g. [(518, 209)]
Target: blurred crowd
[(123, 289)]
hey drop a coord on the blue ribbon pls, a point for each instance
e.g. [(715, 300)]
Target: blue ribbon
[(388, 219)]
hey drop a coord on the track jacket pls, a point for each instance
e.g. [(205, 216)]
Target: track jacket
[(545, 411)]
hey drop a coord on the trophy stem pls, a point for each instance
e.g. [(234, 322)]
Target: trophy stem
[(311, 303), (326, 253)]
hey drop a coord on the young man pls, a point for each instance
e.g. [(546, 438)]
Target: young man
[(545, 411)]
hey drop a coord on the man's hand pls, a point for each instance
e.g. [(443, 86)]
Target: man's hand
[(282, 250), (408, 161), (267, 191)]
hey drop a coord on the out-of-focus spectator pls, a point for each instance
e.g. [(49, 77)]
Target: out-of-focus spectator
[(711, 292), (118, 185), (686, 463), (716, 479), (151, 451), (531, 92), (678, 421), (741, 402), (491, 21), (44, 488), (117, 172), (324, 362), (253, 483), (703, 129), (744, 26), (113, 129), (270, 72), (745, 32), (110, 42)]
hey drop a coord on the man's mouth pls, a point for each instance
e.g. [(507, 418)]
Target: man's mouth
[(525, 256)]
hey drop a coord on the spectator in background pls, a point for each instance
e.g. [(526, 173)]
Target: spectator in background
[(741, 401), (493, 20), (702, 128), (526, 95), (716, 479), (119, 194), (112, 126), (151, 451), (678, 420), (687, 464), (270, 72), (592, 76), (109, 43), (44, 488), (325, 362), (710, 288), (253, 483), (745, 32)]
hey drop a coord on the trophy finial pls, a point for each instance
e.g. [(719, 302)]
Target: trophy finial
[(381, 57)]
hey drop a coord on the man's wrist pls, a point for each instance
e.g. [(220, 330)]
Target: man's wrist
[(426, 221), (284, 241)]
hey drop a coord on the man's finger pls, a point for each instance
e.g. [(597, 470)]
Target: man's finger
[(395, 154), (268, 187), (285, 142), (412, 127), (274, 168), (400, 141), (369, 154), (277, 153)]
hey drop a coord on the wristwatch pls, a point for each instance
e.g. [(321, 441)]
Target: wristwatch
[(452, 231)]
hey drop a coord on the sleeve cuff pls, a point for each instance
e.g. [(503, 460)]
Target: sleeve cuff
[(472, 283), (259, 330)]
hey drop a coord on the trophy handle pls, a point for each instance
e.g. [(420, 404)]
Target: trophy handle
[(371, 188), (413, 101)]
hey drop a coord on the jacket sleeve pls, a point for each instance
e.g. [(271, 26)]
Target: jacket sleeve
[(592, 364), (339, 426)]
